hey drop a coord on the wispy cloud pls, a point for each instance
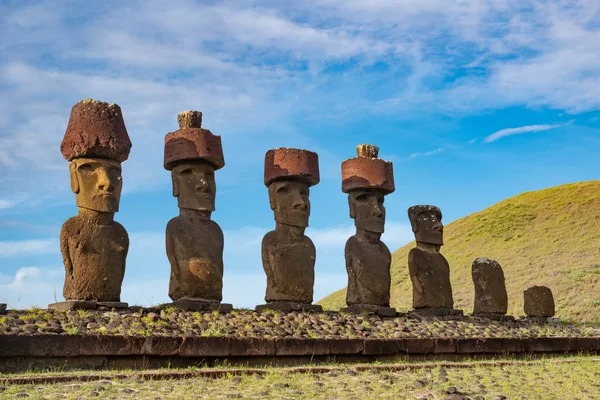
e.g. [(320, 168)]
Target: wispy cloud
[(425, 154), (520, 130), (11, 248)]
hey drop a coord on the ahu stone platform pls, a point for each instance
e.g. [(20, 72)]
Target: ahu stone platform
[(152, 338)]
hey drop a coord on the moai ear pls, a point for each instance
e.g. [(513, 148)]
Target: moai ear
[(175, 180), (272, 202), (351, 206), (74, 180)]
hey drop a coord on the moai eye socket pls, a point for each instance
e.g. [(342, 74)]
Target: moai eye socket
[(283, 190)]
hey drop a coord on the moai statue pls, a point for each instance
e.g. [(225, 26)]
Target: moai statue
[(367, 179), (429, 270), (2, 308), (288, 255), (194, 242), (94, 246), (538, 302), (491, 298)]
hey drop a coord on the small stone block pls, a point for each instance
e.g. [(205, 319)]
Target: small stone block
[(436, 312), (112, 304), (494, 316), (360, 308), (224, 308), (288, 306), (535, 320), (2, 308), (73, 305)]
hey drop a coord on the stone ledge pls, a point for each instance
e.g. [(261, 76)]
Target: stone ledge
[(198, 346)]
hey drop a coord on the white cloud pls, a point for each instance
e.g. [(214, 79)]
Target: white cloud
[(520, 130), (11, 248), (31, 286), (425, 154)]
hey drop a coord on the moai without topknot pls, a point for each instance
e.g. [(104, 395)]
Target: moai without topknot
[(288, 255), (94, 246), (194, 242), (491, 298), (2, 308), (367, 180), (538, 303), (429, 270)]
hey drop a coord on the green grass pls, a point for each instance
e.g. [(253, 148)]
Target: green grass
[(552, 378), (548, 237)]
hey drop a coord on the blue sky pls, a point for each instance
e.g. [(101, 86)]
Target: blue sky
[(473, 101)]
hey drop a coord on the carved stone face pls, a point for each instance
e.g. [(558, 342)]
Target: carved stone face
[(194, 185), (366, 207), (290, 203), (428, 228), (97, 183)]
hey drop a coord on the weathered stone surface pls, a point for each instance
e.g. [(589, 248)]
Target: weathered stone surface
[(187, 304), (367, 180), (96, 129), (194, 242), (369, 308), (295, 164), (113, 304), (2, 308), (490, 289), (288, 255), (436, 312), (367, 171), (73, 305), (429, 270), (191, 142), (538, 302), (288, 306), (495, 316)]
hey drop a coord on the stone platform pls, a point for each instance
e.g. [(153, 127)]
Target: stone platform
[(367, 308), (288, 306), (436, 312), (88, 305), (198, 305), (494, 316)]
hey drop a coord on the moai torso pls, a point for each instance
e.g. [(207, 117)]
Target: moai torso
[(94, 257), (430, 276), (195, 251), (289, 263), (368, 267), (490, 289)]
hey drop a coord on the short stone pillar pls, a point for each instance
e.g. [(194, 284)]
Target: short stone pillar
[(194, 242), (538, 302), (288, 256), (2, 308), (429, 270), (491, 298), (94, 246), (367, 179)]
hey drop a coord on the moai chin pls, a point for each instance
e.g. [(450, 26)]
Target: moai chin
[(288, 255), (491, 298), (94, 246), (429, 270), (538, 303), (367, 179), (194, 242)]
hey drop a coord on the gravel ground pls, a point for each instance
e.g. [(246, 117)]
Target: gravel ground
[(543, 379), (245, 323)]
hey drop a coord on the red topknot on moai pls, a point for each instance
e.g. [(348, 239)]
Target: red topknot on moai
[(367, 179), (288, 255), (194, 241), (94, 247)]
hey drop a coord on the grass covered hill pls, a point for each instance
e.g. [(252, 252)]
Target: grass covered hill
[(548, 237)]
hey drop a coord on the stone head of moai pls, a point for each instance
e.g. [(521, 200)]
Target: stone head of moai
[(289, 174), (367, 179), (193, 154), (93, 246), (95, 143), (426, 223)]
